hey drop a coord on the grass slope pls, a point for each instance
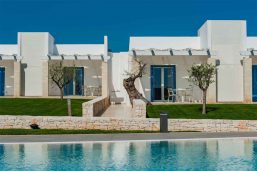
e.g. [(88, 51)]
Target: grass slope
[(39, 107), (214, 111)]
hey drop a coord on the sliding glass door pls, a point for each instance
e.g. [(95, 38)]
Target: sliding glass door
[(2, 81), (79, 81), (254, 83), (162, 78), (76, 86)]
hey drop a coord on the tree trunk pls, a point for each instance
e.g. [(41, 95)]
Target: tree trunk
[(204, 102), (61, 92), (129, 85)]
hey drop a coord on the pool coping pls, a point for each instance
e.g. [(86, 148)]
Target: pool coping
[(84, 138)]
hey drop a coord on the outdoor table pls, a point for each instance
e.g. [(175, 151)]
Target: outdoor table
[(92, 89), (181, 92)]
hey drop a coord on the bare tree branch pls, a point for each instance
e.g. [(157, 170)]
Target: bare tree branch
[(61, 75)]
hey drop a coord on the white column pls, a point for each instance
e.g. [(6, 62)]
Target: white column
[(212, 90), (105, 87), (45, 78), (247, 74), (17, 78)]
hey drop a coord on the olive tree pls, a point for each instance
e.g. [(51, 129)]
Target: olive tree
[(202, 76), (61, 75), (129, 83)]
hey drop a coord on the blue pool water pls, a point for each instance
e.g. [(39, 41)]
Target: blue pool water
[(228, 154)]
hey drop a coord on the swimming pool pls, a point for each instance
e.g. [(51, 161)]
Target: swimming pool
[(222, 154)]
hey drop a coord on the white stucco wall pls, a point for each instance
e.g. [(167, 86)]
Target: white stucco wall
[(8, 49), (33, 48), (51, 44), (228, 39), (164, 42), (252, 42), (205, 35), (120, 63), (83, 49)]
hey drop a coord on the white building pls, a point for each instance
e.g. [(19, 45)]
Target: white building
[(24, 67)]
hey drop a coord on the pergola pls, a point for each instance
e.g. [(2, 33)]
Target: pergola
[(10, 57), (172, 52), (78, 57), (249, 52), (59, 57), (84, 57)]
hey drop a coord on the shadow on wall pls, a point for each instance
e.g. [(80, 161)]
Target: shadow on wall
[(55, 50), (22, 82), (114, 97)]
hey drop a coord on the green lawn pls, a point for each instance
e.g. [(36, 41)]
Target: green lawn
[(61, 131), (39, 107), (214, 111)]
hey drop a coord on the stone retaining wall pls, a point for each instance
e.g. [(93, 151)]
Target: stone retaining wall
[(95, 107), (44, 122), (139, 108), (213, 125), (65, 122)]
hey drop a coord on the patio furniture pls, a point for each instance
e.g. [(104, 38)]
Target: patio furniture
[(87, 91), (189, 94), (97, 91), (180, 93), (172, 94), (93, 91), (116, 97)]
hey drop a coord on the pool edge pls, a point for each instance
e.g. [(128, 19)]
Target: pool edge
[(91, 138)]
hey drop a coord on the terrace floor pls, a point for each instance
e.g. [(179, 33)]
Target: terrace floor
[(118, 111)]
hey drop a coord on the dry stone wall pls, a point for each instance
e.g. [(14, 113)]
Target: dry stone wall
[(139, 108), (72, 123)]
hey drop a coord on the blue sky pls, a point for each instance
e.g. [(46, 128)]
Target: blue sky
[(87, 21)]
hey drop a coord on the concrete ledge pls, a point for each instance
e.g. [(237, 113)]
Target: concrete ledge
[(95, 107), (83, 138)]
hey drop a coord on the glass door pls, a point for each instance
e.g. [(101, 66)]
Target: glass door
[(254, 83), (156, 83), (79, 81), (162, 78), (169, 79), (76, 86), (2, 81), (68, 88)]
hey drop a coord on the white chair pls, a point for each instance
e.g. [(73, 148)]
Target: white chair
[(87, 91), (189, 94), (172, 94), (97, 91)]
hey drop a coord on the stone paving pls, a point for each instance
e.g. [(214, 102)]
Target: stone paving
[(122, 137), (118, 111)]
